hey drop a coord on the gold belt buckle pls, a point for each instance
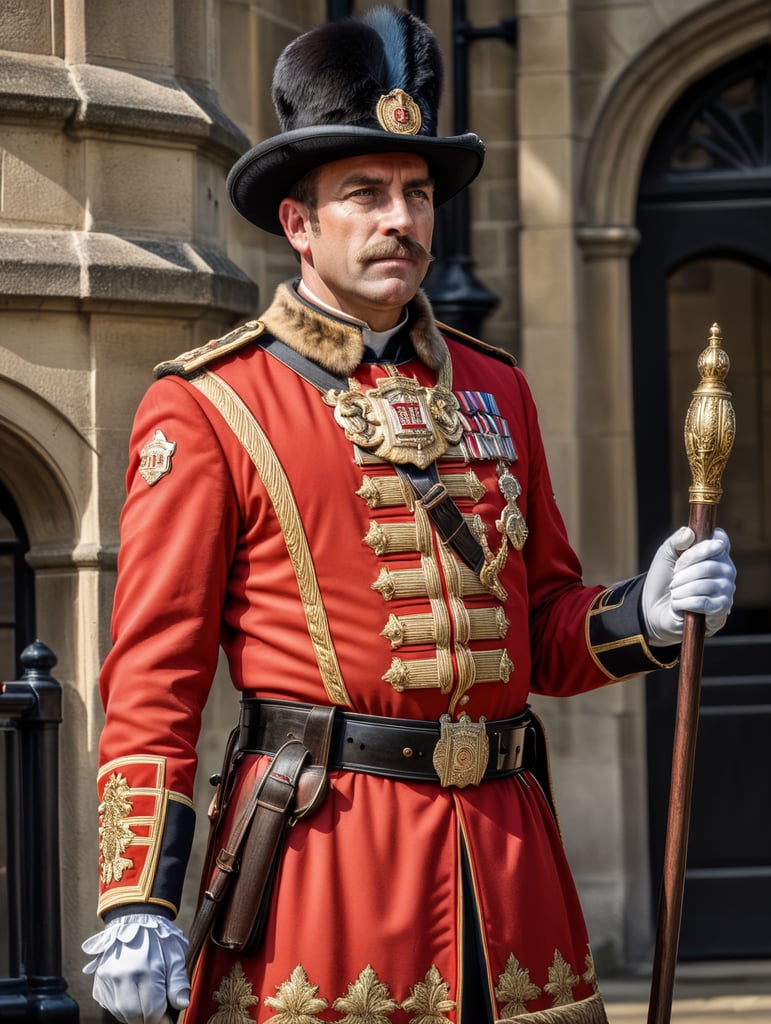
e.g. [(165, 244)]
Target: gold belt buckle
[(462, 751)]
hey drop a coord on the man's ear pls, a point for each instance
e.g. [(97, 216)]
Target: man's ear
[(295, 220)]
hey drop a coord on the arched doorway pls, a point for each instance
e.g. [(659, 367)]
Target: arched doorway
[(17, 629), (704, 217), (17, 597)]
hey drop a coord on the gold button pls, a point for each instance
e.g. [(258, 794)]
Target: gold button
[(407, 752)]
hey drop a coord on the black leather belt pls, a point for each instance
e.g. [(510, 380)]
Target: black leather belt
[(396, 748)]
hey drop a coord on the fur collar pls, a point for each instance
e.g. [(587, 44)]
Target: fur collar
[(339, 346)]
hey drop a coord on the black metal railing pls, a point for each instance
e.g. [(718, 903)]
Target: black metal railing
[(32, 987)]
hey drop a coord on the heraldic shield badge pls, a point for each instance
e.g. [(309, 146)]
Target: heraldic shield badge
[(399, 420), (155, 458)]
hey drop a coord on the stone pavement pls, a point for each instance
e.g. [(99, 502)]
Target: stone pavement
[(706, 993)]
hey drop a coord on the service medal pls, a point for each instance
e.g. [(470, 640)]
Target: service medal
[(512, 523)]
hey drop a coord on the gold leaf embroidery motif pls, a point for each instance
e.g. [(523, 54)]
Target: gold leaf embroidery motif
[(515, 988), (235, 996), (429, 1001), (590, 975), (367, 1001), (561, 982), (115, 835), (296, 1000)]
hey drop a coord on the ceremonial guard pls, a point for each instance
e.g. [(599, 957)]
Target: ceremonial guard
[(353, 501)]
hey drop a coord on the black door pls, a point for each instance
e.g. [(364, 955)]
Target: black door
[(704, 216)]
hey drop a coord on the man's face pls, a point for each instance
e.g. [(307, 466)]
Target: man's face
[(359, 256)]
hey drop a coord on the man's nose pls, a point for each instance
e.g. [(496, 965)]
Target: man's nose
[(396, 218)]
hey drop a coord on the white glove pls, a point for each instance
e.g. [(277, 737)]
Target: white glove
[(688, 577), (139, 968)]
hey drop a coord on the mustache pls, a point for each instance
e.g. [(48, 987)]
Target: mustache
[(398, 247)]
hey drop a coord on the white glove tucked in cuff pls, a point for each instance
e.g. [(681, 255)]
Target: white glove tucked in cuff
[(688, 577), (139, 968)]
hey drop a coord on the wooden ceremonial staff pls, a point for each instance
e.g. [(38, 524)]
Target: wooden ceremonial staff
[(709, 437)]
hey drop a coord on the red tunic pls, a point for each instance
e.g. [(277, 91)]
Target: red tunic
[(366, 917)]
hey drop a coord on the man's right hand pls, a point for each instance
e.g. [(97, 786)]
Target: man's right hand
[(139, 968)]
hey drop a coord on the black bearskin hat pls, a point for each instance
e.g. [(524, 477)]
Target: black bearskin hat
[(347, 88)]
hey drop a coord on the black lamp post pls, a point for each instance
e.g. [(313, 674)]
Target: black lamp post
[(457, 295)]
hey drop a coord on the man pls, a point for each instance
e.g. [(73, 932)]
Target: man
[(355, 503)]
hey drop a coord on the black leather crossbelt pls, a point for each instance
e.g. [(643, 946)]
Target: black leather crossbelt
[(392, 747), (444, 514)]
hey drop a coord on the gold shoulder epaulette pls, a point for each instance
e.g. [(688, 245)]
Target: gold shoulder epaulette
[(491, 350), (189, 363)]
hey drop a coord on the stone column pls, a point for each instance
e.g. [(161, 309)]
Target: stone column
[(575, 352)]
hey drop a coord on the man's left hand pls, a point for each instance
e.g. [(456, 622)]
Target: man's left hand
[(688, 577)]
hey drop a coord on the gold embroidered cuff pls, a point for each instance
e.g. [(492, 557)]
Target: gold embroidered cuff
[(145, 833), (615, 635)]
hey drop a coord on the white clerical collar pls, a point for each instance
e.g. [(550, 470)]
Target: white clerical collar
[(374, 340)]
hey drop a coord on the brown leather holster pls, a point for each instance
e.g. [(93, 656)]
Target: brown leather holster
[(233, 909)]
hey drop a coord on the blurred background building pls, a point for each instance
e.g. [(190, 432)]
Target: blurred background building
[(624, 206)]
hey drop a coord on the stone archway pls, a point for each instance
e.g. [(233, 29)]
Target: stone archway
[(705, 222), (635, 105), (607, 235), (649, 86), (47, 468)]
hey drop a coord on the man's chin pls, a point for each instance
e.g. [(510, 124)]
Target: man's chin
[(397, 276)]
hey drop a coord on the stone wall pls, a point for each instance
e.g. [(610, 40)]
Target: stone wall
[(118, 248)]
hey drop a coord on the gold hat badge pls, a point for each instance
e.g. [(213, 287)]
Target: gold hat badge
[(398, 112)]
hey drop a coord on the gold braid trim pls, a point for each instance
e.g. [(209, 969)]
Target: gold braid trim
[(367, 1001), (261, 452), (587, 1011)]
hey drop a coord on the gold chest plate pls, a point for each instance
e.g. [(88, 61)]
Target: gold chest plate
[(400, 420)]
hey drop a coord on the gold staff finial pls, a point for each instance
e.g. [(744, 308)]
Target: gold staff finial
[(710, 425)]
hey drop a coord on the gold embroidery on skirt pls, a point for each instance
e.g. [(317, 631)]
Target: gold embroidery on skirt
[(515, 989), (562, 981), (368, 1000), (429, 1000), (590, 975), (234, 997), (296, 1000)]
